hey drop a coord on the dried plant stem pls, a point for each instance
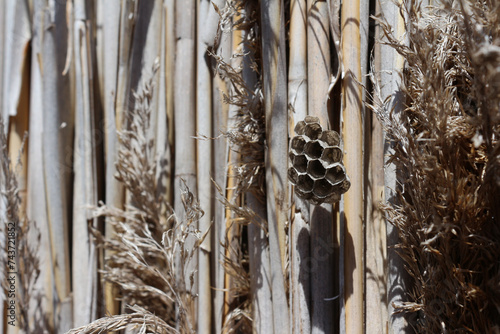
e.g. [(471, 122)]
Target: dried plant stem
[(16, 17), (376, 234), (220, 124), (300, 318), (204, 171), (170, 86), (36, 197), (232, 229), (353, 160), (262, 306), (110, 59), (185, 110), (57, 143), (321, 248), (391, 63), (275, 97), (84, 275)]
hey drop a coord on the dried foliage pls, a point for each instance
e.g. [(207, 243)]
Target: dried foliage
[(247, 135), (149, 239), (141, 320), (446, 151), (19, 245)]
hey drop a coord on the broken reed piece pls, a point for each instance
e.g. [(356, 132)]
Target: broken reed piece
[(316, 168)]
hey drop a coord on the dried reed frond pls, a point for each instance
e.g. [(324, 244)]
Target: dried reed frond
[(246, 137), (150, 258), (238, 320), (19, 244), (141, 320), (446, 152)]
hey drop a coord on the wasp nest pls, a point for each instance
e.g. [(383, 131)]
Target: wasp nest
[(316, 168)]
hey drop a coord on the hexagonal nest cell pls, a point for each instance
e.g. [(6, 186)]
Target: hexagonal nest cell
[(316, 168)]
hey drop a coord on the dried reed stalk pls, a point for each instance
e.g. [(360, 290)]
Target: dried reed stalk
[(352, 129), (376, 233), (17, 35), (57, 145), (170, 87), (204, 169), (220, 119), (390, 80), (185, 105), (110, 58), (275, 102), (322, 281), (36, 197), (300, 318), (85, 189)]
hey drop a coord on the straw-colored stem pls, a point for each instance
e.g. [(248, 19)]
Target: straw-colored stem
[(169, 87), (84, 275), (275, 98), (353, 160), (185, 118), (321, 248), (204, 172), (262, 307), (36, 198), (220, 121), (390, 63), (300, 318), (110, 58), (57, 142), (233, 230)]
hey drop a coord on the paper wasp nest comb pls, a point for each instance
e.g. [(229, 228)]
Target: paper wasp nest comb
[(316, 168)]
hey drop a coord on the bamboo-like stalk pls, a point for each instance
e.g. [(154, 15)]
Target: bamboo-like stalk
[(220, 119), (108, 66), (233, 231), (275, 100), (262, 307), (335, 121), (322, 280), (36, 197), (300, 317), (16, 39), (163, 152), (375, 243), (376, 234), (84, 274), (56, 162), (185, 115), (170, 86), (353, 160), (128, 17), (204, 171), (390, 64)]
